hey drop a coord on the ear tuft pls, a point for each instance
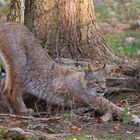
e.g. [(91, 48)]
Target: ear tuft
[(88, 74), (89, 67)]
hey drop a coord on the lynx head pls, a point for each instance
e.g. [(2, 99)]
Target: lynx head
[(96, 82)]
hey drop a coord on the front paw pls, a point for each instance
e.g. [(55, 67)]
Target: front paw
[(30, 112), (136, 120), (26, 112)]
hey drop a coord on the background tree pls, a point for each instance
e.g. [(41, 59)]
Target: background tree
[(65, 28), (16, 9)]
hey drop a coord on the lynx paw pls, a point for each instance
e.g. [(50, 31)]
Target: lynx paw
[(30, 112), (136, 120), (26, 112)]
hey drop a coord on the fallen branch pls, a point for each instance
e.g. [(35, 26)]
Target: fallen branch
[(112, 90), (18, 133), (29, 117), (135, 105), (111, 82), (66, 61)]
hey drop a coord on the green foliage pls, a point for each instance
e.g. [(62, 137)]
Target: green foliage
[(82, 137), (121, 47), (123, 11), (117, 137), (125, 117), (2, 131), (103, 13), (4, 9), (77, 138), (115, 40), (68, 115)]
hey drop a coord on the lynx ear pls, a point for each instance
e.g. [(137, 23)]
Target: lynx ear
[(88, 73), (89, 67)]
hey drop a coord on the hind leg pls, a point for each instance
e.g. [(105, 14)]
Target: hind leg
[(15, 103), (20, 106), (7, 100), (18, 103)]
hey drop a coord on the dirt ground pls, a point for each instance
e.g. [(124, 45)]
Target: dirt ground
[(80, 122)]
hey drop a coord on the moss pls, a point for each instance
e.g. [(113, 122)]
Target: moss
[(121, 47), (77, 138), (2, 131)]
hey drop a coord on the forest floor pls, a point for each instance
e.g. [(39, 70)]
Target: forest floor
[(77, 124), (120, 24)]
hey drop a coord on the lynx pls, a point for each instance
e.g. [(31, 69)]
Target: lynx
[(30, 70)]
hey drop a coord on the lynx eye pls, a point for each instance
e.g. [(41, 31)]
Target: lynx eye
[(96, 82)]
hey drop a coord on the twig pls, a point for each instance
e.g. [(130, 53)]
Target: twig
[(135, 105), (30, 117), (114, 89), (116, 81)]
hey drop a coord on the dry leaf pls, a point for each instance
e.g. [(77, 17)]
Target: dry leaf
[(120, 104), (75, 128), (115, 128), (27, 136)]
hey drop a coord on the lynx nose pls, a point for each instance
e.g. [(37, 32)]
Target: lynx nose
[(106, 90), (101, 90)]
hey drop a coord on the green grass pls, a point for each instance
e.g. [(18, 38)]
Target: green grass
[(123, 11), (77, 138), (117, 137), (82, 137), (4, 9), (103, 13), (113, 138), (125, 117), (68, 116), (126, 12), (117, 41)]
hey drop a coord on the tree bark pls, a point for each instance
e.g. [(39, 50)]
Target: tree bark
[(67, 28), (16, 11)]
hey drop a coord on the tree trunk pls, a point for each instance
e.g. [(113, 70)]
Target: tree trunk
[(67, 28), (16, 11)]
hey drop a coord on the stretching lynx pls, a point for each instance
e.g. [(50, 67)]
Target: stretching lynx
[(30, 70)]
